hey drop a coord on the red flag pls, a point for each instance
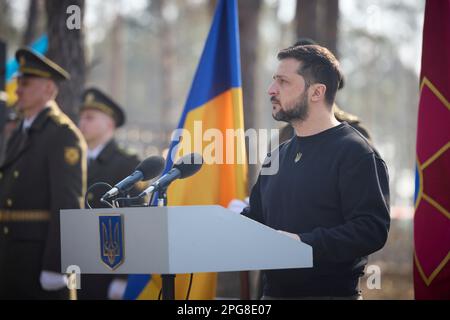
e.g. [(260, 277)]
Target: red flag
[(432, 199)]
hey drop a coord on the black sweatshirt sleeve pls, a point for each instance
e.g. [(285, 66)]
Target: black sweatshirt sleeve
[(364, 194), (254, 211)]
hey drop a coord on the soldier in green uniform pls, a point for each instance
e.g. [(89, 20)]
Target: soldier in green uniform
[(100, 116), (44, 170)]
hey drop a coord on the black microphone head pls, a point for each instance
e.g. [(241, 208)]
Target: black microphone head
[(151, 167), (189, 164)]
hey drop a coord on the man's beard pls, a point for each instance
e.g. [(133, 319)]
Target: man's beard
[(300, 111)]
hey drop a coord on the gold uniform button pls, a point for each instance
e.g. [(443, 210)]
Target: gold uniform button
[(16, 174), (9, 202), (5, 230)]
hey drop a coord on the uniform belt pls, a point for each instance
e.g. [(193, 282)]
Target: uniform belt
[(24, 215)]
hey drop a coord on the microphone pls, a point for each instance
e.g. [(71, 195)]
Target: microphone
[(146, 170), (183, 168)]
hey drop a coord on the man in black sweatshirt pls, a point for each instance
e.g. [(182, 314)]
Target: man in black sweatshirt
[(332, 187)]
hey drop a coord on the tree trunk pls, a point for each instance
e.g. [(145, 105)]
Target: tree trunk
[(66, 48), (8, 30), (306, 18), (32, 20), (212, 6), (318, 20), (330, 31), (249, 41), (117, 65), (167, 57)]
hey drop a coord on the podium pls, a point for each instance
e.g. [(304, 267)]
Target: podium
[(173, 240)]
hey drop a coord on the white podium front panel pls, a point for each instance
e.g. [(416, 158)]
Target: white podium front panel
[(174, 240)]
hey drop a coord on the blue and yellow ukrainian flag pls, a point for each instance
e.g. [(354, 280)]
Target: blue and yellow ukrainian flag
[(214, 102)]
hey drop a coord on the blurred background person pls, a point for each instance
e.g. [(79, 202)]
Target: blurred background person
[(100, 116)]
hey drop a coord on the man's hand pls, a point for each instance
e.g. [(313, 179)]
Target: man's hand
[(290, 235), (117, 289), (237, 205)]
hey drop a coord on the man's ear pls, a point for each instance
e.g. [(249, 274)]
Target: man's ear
[(318, 92), (112, 124), (52, 88)]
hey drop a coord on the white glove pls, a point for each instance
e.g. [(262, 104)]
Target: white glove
[(117, 289), (52, 281), (237, 205)]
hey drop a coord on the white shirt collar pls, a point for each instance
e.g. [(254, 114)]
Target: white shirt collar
[(28, 122), (93, 153)]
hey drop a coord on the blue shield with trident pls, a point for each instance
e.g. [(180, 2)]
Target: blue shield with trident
[(111, 241)]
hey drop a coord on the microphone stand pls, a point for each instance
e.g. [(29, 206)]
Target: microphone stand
[(168, 280)]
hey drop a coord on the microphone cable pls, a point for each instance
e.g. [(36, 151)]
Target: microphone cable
[(86, 200)]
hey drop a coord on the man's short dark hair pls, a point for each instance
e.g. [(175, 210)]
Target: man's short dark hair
[(304, 42), (318, 65), (308, 41)]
